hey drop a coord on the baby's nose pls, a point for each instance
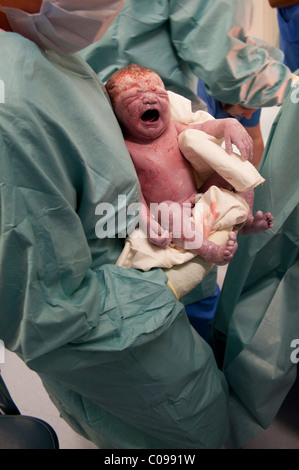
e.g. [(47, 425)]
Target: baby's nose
[(149, 98)]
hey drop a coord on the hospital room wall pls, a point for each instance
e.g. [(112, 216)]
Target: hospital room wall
[(265, 25)]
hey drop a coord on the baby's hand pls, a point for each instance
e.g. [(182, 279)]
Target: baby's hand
[(152, 229), (157, 235), (234, 133)]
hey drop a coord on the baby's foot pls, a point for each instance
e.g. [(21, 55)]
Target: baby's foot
[(227, 250), (257, 224), (218, 254)]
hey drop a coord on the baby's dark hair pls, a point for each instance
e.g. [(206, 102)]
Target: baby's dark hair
[(113, 84)]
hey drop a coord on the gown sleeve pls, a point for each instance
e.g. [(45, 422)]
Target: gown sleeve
[(218, 51)]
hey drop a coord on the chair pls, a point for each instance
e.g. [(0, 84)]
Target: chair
[(22, 432)]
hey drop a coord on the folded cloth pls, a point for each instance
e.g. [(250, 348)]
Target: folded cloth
[(215, 213), (207, 156), (181, 110), (205, 152)]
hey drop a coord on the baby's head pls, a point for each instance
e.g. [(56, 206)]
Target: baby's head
[(140, 101), (127, 77)]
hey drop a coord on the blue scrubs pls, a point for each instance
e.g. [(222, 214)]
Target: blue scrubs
[(288, 20), (215, 108)]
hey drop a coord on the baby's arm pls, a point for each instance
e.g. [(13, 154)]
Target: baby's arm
[(231, 130), (233, 133)]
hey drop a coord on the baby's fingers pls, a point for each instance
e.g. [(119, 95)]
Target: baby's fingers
[(246, 148), (228, 144)]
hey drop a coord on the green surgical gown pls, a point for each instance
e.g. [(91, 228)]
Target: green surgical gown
[(113, 347), (256, 324), (183, 40)]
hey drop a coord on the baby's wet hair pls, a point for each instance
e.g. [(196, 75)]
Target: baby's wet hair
[(114, 83)]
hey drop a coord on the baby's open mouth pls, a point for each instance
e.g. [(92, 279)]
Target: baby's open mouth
[(152, 115)]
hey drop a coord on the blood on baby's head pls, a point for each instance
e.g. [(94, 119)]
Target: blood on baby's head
[(127, 77)]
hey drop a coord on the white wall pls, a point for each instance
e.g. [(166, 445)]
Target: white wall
[(265, 24)]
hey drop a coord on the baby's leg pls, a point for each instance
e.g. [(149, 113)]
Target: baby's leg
[(218, 254), (215, 180), (187, 236), (254, 224), (258, 223)]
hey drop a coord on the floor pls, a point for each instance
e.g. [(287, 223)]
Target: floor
[(30, 397)]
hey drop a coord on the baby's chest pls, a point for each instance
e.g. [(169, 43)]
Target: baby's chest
[(156, 158)]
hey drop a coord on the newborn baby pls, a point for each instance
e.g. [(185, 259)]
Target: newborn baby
[(141, 105)]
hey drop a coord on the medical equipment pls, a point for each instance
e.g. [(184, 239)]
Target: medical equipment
[(18, 431)]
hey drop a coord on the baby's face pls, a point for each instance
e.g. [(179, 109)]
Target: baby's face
[(142, 107)]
